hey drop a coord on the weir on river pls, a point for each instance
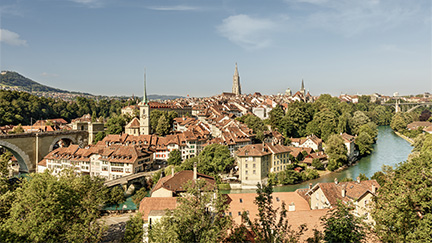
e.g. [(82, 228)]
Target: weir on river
[(389, 149)]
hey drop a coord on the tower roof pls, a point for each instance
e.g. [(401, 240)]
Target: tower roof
[(145, 101)]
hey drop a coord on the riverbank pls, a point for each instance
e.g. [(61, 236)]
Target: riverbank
[(409, 140)]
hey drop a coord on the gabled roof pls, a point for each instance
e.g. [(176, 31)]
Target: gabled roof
[(177, 182), (149, 204), (354, 190)]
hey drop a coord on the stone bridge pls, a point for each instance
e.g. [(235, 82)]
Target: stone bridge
[(30, 148), (410, 106)]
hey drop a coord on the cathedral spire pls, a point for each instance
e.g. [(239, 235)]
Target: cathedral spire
[(302, 86), (145, 100), (236, 88)]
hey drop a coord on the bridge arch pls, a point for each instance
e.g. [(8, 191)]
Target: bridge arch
[(23, 159), (64, 137)]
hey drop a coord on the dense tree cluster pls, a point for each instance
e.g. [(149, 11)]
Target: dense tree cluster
[(327, 116), (214, 159), (23, 108), (47, 208), (403, 207)]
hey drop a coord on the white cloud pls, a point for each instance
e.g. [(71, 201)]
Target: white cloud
[(174, 8), (45, 74), (90, 3), (11, 38), (247, 32), (354, 17), (394, 48)]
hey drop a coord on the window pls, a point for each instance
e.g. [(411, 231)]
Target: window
[(245, 165), (277, 199), (246, 172), (253, 165), (254, 172), (241, 200), (239, 213)]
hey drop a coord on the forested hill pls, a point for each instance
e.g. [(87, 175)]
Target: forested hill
[(16, 80)]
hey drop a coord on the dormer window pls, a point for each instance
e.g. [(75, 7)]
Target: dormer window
[(241, 200)]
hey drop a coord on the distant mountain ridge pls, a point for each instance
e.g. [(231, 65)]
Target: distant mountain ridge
[(15, 80)]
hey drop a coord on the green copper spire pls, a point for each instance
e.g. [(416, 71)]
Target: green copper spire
[(145, 100)]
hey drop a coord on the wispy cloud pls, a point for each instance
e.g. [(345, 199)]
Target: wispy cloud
[(394, 48), (90, 3), (246, 31), (11, 38), (52, 75), (174, 8), (355, 17)]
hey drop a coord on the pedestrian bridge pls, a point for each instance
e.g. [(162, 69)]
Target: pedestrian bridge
[(30, 148)]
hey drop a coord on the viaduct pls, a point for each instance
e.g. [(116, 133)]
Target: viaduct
[(30, 148)]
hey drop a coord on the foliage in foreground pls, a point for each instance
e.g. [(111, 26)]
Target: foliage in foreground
[(403, 207), (47, 208), (272, 224), (199, 217), (340, 225)]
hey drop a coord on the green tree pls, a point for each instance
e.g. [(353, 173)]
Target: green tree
[(298, 115), (99, 136), (403, 205), (116, 124), (163, 126), (400, 121), (214, 159), (134, 229), (154, 119), (17, 129), (275, 117), (364, 143), (207, 223), (272, 224), (48, 208), (139, 195), (340, 225), (174, 157), (317, 164), (336, 151), (4, 162), (116, 196), (358, 119)]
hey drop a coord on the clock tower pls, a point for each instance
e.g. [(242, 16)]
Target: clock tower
[(144, 112)]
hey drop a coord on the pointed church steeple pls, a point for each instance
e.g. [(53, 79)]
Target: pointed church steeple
[(145, 100), (302, 90), (236, 88)]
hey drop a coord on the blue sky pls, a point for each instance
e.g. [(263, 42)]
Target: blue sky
[(191, 47)]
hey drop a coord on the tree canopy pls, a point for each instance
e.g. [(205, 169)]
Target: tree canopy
[(46, 208), (403, 206), (207, 223)]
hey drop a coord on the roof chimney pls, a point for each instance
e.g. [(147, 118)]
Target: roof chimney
[(373, 188), (172, 171), (358, 179), (291, 207), (336, 181), (310, 186), (343, 190), (195, 171)]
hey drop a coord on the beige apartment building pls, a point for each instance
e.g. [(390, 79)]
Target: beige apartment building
[(256, 161)]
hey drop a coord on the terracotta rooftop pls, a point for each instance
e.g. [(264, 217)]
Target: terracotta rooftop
[(149, 204), (177, 182)]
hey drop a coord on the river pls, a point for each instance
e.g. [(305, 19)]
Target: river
[(390, 149)]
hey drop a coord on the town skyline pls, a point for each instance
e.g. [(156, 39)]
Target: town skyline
[(191, 47)]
